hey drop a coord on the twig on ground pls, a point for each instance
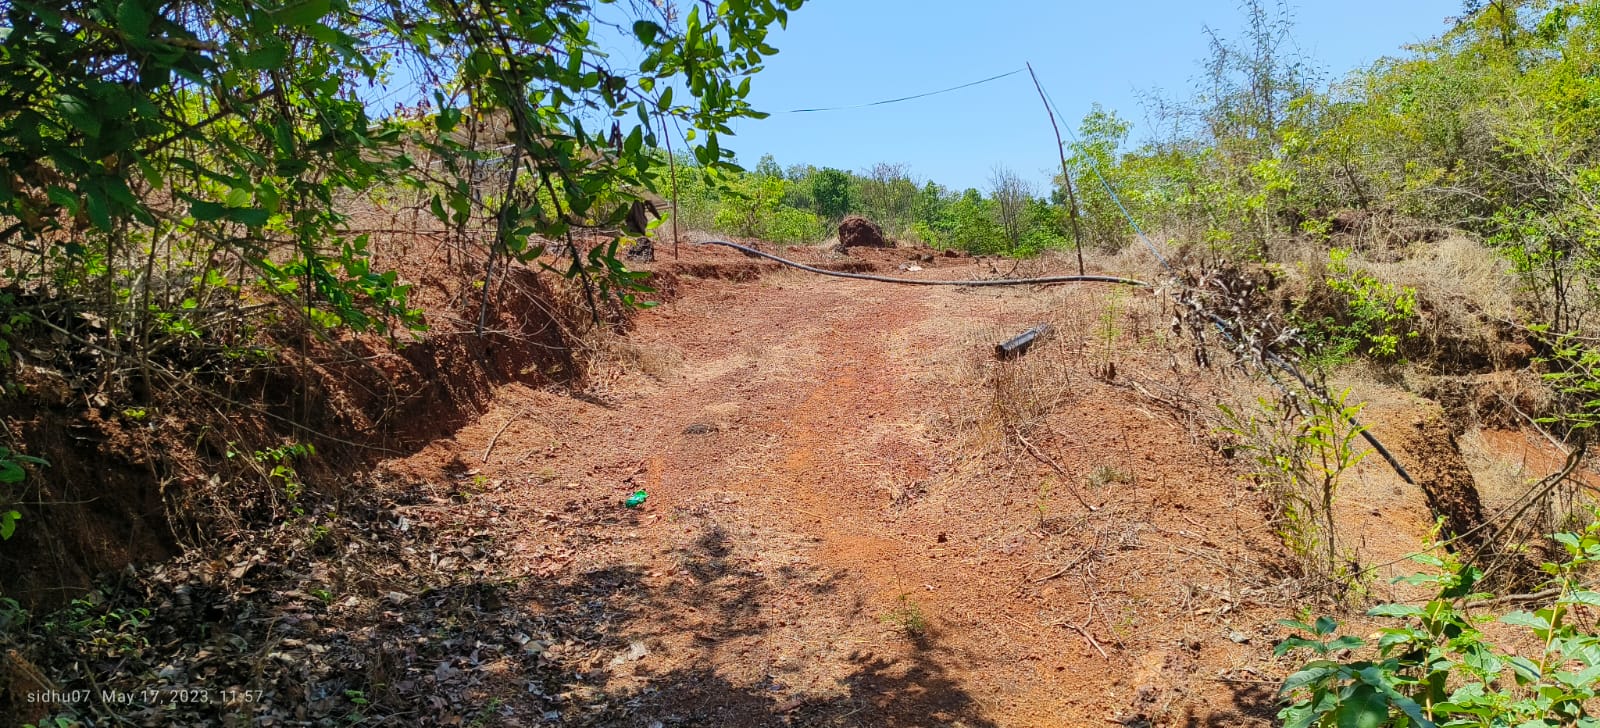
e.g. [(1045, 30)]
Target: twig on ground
[(1537, 596), (1063, 571), (1086, 637), (1066, 479), (502, 431)]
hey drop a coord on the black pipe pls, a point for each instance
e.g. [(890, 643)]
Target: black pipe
[(1021, 343), (921, 282), (1394, 463)]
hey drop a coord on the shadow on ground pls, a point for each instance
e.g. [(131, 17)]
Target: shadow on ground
[(1254, 704), (878, 690)]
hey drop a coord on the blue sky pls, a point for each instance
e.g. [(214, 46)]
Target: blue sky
[(838, 52)]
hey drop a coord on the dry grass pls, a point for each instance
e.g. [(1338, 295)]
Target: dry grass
[(1137, 261), (615, 354), (1017, 394), (1085, 341)]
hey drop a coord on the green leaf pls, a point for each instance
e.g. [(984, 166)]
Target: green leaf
[(1526, 619), (462, 207), (64, 197), (1297, 625), (270, 56), (1587, 598), (1526, 670), (436, 206), (133, 19), (78, 113), (1306, 677), (447, 120), (303, 13), (99, 214), (1365, 708), (148, 170), (206, 211), (8, 524), (1325, 626), (646, 32), (1395, 610), (11, 472), (1347, 642), (1299, 715), (249, 216)]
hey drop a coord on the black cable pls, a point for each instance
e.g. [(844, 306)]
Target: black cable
[(1222, 328), (921, 282), (905, 98), (1217, 321)]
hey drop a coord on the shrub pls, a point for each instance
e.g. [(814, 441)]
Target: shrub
[(1301, 452), (1438, 668), (1365, 316)]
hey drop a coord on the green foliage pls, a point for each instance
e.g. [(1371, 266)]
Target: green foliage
[(752, 206), (1438, 668), (969, 222), (1093, 154), (276, 465), (1573, 371), (11, 462), (832, 194), (109, 630), (150, 148), (907, 615), (1493, 127), (888, 195), (1372, 317), (12, 473), (804, 204), (1302, 451)]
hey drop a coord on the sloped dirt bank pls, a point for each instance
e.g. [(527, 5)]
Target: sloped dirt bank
[(131, 477)]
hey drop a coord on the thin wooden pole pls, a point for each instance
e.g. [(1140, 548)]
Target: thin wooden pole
[(1066, 176)]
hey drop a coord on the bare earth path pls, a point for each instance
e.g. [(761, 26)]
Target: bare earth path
[(835, 535)]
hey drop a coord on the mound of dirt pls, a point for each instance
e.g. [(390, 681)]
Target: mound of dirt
[(858, 232)]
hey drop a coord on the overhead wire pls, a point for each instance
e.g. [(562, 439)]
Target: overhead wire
[(913, 97), (1221, 325)]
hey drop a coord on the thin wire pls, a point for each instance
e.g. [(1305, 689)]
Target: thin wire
[(904, 98), (1221, 326), (1094, 166)]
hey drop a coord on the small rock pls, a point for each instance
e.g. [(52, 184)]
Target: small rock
[(1239, 638), (636, 651)]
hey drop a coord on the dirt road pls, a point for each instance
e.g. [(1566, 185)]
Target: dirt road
[(844, 528)]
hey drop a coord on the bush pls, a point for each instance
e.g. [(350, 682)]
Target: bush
[(1365, 316), (1438, 668), (795, 227)]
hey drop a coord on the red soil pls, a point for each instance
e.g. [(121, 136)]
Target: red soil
[(827, 465)]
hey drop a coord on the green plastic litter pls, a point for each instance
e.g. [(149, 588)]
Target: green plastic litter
[(637, 499)]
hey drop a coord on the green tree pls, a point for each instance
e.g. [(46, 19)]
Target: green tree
[(970, 222), (833, 194), (888, 195), (217, 139), (1095, 155)]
